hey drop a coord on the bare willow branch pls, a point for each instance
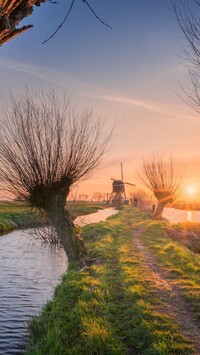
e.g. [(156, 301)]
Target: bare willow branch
[(43, 141), (188, 18), (67, 15), (95, 14), (45, 148), (12, 12), (62, 23), (163, 177)]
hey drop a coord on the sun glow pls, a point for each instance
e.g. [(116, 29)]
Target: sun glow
[(190, 190)]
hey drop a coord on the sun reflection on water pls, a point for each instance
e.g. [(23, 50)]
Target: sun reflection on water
[(189, 216)]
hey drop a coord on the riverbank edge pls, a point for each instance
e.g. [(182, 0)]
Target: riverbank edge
[(105, 305), (18, 221), (24, 220)]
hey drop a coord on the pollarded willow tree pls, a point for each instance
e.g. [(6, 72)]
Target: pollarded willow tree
[(45, 148), (163, 177)]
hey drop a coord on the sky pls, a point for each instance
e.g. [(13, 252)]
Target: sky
[(131, 74)]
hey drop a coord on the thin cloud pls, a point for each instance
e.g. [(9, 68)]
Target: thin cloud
[(150, 106), (33, 70), (87, 89), (55, 77), (52, 76), (134, 102)]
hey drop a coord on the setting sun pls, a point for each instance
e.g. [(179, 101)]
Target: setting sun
[(191, 190)]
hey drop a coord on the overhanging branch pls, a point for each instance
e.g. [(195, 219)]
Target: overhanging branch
[(11, 13)]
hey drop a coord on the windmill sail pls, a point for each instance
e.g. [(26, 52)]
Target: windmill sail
[(118, 194)]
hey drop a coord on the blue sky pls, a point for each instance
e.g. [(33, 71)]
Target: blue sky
[(130, 73)]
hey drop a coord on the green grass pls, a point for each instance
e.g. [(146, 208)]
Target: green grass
[(17, 214), (182, 263), (13, 207), (80, 208), (109, 307), (187, 233)]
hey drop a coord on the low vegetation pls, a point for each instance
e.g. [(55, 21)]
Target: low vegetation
[(16, 214), (107, 304), (182, 264), (81, 208), (188, 234)]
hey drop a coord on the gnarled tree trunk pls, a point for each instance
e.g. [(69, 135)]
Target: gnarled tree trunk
[(164, 197), (45, 149), (11, 13), (52, 199), (159, 210), (73, 245), (163, 177)]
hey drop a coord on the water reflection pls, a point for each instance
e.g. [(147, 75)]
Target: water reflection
[(189, 216), (29, 273), (180, 216), (99, 216)]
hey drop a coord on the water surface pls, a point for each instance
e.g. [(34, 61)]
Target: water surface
[(95, 217), (180, 216), (29, 272)]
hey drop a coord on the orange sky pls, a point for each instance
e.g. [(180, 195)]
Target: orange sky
[(130, 74)]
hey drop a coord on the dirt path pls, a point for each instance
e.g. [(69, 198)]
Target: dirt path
[(176, 307)]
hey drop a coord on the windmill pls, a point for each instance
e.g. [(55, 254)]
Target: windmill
[(118, 194)]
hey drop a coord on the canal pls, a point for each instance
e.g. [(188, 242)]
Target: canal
[(180, 216), (30, 271)]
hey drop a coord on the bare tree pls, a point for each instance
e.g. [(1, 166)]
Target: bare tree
[(163, 177), (188, 17), (141, 199), (46, 148)]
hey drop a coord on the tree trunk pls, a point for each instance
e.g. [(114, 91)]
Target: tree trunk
[(11, 13), (159, 210), (72, 243)]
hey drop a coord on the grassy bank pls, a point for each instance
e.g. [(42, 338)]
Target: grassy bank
[(182, 263), (188, 234), (81, 208), (17, 215), (111, 307)]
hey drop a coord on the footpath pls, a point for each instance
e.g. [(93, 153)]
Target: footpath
[(138, 292)]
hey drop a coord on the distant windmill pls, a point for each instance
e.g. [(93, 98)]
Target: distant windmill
[(118, 193)]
